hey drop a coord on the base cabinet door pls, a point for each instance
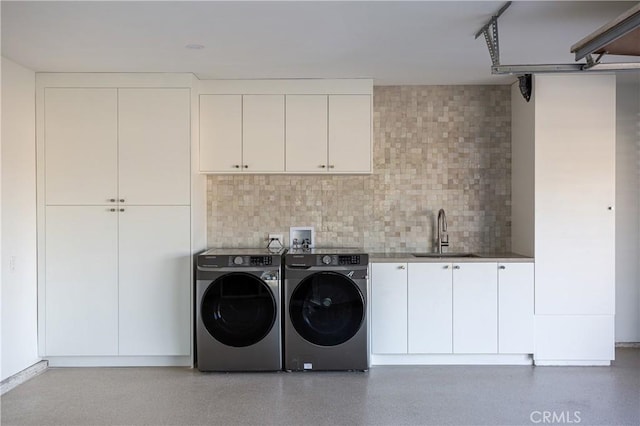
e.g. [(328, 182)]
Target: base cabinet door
[(154, 277), (81, 273), (515, 308), (475, 308), (430, 304), (389, 308)]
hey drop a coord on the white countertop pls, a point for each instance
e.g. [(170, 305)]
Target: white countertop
[(479, 257)]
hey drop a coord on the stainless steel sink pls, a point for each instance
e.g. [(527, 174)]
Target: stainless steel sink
[(438, 255)]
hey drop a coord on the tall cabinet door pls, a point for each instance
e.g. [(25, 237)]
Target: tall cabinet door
[(81, 146), (81, 305), (263, 133), (154, 146), (575, 136), (350, 133), (154, 276), (475, 308), (389, 308), (220, 133), (430, 308), (306, 126)]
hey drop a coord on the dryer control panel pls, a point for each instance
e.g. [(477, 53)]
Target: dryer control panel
[(325, 258)]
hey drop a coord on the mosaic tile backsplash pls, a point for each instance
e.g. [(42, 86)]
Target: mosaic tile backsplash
[(434, 147)]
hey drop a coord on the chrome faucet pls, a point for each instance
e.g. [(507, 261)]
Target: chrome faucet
[(443, 236)]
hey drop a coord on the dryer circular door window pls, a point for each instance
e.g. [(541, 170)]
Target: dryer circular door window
[(327, 308), (238, 309)]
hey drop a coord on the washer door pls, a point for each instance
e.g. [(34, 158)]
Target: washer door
[(238, 309), (327, 308)]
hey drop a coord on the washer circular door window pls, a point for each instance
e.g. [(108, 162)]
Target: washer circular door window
[(327, 308), (238, 309)]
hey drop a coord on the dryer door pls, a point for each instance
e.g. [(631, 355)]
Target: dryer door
[(238, 309), (327, 308)]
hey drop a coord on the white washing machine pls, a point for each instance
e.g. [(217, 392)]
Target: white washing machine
[(238, 295), (325, 310)]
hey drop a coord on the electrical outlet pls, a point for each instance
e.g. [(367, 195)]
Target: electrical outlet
[(278, 237)]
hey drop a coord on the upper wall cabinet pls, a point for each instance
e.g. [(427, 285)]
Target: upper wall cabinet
[(286, 126), (108, 144), (307, 133), (350, 133), (241, 133)]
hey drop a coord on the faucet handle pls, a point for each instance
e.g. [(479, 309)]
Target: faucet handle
[(444, 238)]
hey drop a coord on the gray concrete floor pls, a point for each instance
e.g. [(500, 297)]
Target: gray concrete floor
[(460, 395)]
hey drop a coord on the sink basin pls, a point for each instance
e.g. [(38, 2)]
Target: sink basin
[(445, 255)]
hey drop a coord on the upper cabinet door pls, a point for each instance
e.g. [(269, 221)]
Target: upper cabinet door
[(220, 133), (154, 146), (306, 125), (263, 133), (81, 146), (350, 133)]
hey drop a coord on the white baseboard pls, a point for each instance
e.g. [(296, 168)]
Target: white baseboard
[(119, 361), (451, 359), (22, 376), (565, 363)]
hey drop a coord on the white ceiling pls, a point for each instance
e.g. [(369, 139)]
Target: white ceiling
[(392, 42)]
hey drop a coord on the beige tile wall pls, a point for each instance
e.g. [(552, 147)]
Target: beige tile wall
[(434, 147)]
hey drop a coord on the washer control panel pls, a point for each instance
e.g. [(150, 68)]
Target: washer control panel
[(234, 261), (250, 260)]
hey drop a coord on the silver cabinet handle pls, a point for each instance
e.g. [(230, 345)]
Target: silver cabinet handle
[(331, 166), (445, 267), (456, 267), (322, 166), (402, 267), (236, 166), (121, 210), (502, 267), (122, 200), (610, 208), (112, 200), (245, 166), (112, 210)]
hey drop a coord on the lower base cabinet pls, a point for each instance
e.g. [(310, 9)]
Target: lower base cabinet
[(117, 281), (475, 308), (429, 319), (389, 308), (452, 308)]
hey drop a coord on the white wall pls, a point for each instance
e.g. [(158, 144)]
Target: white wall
[(522, 172), (628, 208), (19, 280)]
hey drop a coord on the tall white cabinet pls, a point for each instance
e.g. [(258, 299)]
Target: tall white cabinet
[(115, 240), (569, 126)]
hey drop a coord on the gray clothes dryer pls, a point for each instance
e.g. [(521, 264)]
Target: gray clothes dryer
[(325, 310), (238, 295)]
